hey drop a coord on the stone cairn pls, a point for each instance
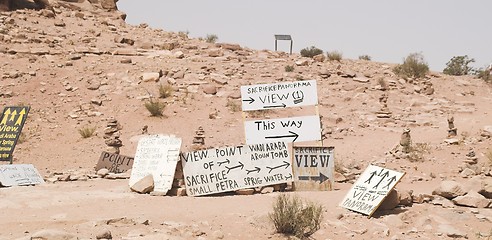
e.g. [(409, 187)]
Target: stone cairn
[(199, 139), (112, 136), (404, 147), (452, 131), (384, 112)]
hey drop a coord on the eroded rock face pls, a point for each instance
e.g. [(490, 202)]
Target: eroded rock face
[(10, 5)]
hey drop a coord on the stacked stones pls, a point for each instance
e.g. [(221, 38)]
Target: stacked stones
[(112, 136), (199, 139), (384, 112), (470, 167), (452, 131)]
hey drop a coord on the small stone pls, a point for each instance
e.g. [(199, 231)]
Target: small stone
[(144, 185), (248, 191), (210, 89), (449, 190), (466, 173), (126, 60), (102, 172), (472, 199), (265, 190), (59, 23), (179, 54), (104, 234), (391, 201), (150, 77)]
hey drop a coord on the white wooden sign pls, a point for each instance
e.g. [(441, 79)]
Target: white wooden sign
[(233, 168), (19, 175), (279, 95), (156, 155), (313, 168), (369, 191), (295, 129)]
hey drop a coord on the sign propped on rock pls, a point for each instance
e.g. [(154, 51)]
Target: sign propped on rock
[(115, 163), (156, 155), (295, 129), (233, 168), (11, 123), (369, 191), (313, 168), (279, 95), (19, 175)]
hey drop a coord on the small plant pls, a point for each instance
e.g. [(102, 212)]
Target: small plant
[(458, 66), (155, 107), (289, 68), (365, 57), (311, 52), (334, 56), (383, 84), (165, 91), (413, 66), (293, 216), (484, 74), (233, 106), (417, 151), (211, 38), (183, 34), (87, 131), (22, 138)]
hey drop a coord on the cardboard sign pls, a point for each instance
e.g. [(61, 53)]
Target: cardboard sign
[(156, 155), (279, 95), (19, 175), (11, 123), (369, 191), (115, 163), (233, 168), (313, 168), (295, 129)]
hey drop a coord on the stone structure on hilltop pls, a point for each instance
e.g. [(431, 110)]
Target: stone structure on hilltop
[(384, 112), (452, 130), (10, 5), (112, 136)]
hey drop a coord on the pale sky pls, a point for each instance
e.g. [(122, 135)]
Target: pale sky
[(386, 30)]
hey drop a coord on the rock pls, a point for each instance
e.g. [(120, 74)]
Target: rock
[(452, 141), (466, 173), (180, 192), (486, 131), (325, 73), (52, 234), (302, 62), (486, 188), (472, 199), (361, 79), (339, 177), (248, 191), (319, 58), (390, 202), (59, 23), (210, 89), (179, 54), (406, 198), (228, 46), (215, 53), (265, 190), (144, 185), (449, 190), (150, 77), (218, 234), (102, 172), (104, 234), (450, 231)]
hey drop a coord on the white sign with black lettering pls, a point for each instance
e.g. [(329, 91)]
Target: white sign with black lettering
[(233, 168), (19, 175), (369, 191), (295, 129), (279, 95), (156, 155)]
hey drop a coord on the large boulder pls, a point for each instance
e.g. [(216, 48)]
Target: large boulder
[(486, 188), (472, 199), (449, 190)]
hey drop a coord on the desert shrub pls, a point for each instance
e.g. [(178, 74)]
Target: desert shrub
[(383, 84), (293, 216), (413, 66), (365, 57), (289, 68), (211, 38), (417, 151), (87, 131), (165, 91), (334, 56), (155, 107), (458, 66), (484, 74), (233, 106), (311, 51)]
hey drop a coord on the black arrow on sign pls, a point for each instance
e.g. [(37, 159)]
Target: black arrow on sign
[(321, 178), (250, 100), (386, 174), (276, 106), (292, 134), (226, 161), (368, 181), (257, 169), (390, 181), (286, 165), (241, 165), (288, 177)]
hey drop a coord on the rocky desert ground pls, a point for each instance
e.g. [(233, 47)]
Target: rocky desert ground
[(78, 65)]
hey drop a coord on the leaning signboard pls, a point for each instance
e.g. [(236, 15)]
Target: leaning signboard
[(156, 155), (11, 123), (313, 168), (19, 175), (295, 129), (279, 95), (115, 163), (369, 191), (233, 168)]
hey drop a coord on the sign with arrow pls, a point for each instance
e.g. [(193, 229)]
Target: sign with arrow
[(233, 168), (156, 155), (295, 129), (313, 168), (279, 95), (369, 191), (11, 123)]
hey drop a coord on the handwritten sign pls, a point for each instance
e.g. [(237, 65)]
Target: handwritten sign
[(313, 168), (19, 175), (11, 123), (115, 163), (279, 95), (295, 129), (156, 155), (369, 191), (233, 168)]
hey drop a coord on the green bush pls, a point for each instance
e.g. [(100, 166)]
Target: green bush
[(458, 66), (413, 66), (155, 107), (365, 57), (211, 38), (165, 91), (311, 52), (334, 56), (293, 216), (289, 68), (87, 132), (484, 74)]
